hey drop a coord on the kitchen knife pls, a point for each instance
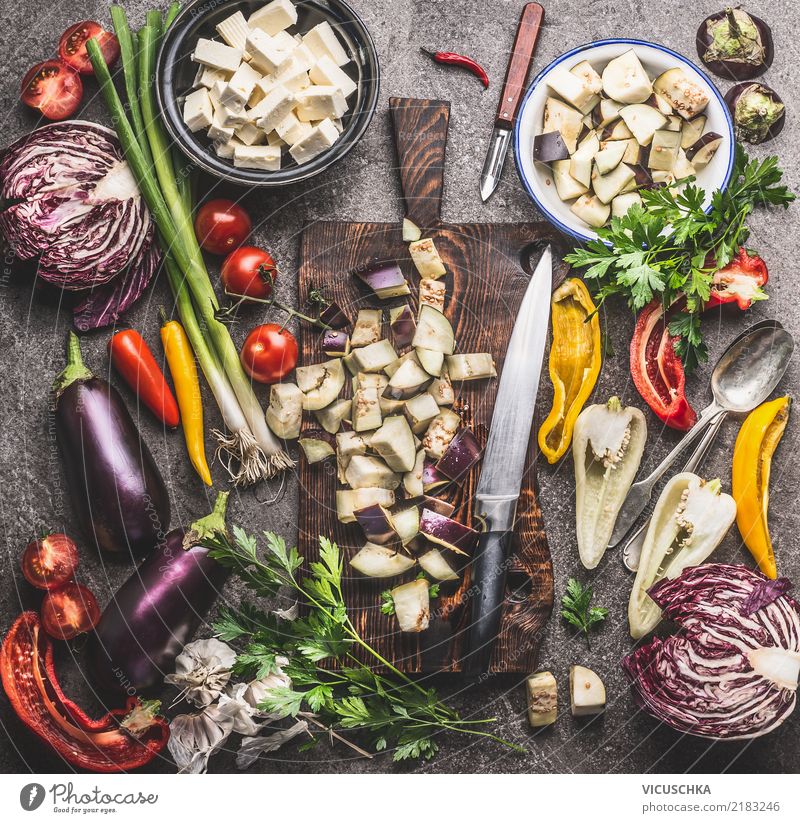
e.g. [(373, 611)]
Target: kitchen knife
[(516, 74), (503, 466)]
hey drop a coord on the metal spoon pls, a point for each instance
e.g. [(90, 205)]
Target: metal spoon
[(632, 553), (744, 376)]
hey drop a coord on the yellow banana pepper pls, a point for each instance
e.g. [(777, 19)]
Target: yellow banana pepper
[(575, 358), (752, 458), (187, 389)]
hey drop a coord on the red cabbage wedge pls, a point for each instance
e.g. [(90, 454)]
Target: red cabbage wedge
[(732, 671)]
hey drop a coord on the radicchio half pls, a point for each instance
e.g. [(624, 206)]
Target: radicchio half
[(726, 674)]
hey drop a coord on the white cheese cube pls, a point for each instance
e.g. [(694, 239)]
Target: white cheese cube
[(261, 90), (249, 134), (322, 40), (216, 131), (210, 76), (336, 122), (217, 55), (319, 139), (284, 41), (240, 86), (234, 30), (228, 114), (303, 55), (327, 73), (265, 158), (197, 82), (273, 108), (291, 130), (293, 76), (320, 103), (274, 139), (197, 110), (264, 54), (274, 17), (226, 150)]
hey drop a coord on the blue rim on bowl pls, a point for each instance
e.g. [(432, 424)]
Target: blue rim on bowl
[(572, 53), (174, 73)]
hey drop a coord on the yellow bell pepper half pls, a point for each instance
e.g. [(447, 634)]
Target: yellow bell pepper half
[(575, 359), (756, 442)]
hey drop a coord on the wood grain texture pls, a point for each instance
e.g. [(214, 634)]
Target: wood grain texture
[(488, 266), (530, 24)]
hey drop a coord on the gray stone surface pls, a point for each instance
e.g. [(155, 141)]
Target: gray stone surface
[(365, 186)]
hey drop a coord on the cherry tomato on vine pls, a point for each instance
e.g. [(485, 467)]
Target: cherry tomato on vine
[(50, 561), (249, 272), (269, 353), (72, 46), (69, 611), (53, 88), (221, 226)]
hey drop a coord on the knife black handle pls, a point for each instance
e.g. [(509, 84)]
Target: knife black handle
[(519, 65), (487, 597)]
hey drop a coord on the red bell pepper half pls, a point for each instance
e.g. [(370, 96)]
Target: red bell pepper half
[(656, 369), (122, 740)]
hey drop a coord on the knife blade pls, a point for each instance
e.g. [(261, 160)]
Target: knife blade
[(504, 464), (519, 65)]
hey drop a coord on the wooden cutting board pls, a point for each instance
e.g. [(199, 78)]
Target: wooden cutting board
[(489, 265)]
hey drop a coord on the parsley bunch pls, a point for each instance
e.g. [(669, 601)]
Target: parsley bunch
[(670, 247), (390, 710)]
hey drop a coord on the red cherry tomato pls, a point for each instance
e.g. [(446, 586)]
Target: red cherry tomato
[(53, 88), (221, 226), (249, 272), (69, 611), (269, 353), (50, 562), (72, 46)]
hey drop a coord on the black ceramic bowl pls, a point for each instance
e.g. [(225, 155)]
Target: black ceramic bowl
[(175, 73)]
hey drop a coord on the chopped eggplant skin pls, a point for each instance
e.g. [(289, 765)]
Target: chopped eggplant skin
[(410, 379), (461, 455), (386, 280), (701, 153), (549, 147), (348, 501), (373, 560), (377, 524), (403, 325), (446, 532), (335, 343), (565, 119)]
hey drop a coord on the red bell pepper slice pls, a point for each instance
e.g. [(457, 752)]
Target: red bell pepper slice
[(135, 362), (122, 740), (740, 281), (657, 371)]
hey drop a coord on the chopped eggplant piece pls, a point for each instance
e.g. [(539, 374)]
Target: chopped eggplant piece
[(580, 164), (375, 357), (350, 443), (349, 361), (367, 329), (704, 149), (412, 481), (542, 699), (662, 104), (643, 121), (406, 522), (608, 158), (567, 186), (692, 131), (476, 366), (391, 368), (608, 186), (564, 119), (419, 412), (366, 414), (285, 411), (408, 380), (332, 315), (411, 231), (446, 532), (432, 478), (619, 131), (432, 293), (441, 431), (622, 203), (462, 454), (441, 390), (434, 331), (633, 152), (607, 112), (591, 210), (625, 80), (394, 442), (426, 259), (377, 524), (365, 472), (683, 168), (590, 77), (320, 383), (315, 449), (674, 123), (412, 606), (381, 561), (433, 563), (386, 280), (348, 501), (403, 325), (431, 361), (572, 88), (587, 693), (335, 343), (664, 150), (331, 417), (370, 380), (642, 176), (549, 147), (684, 94), (437, 505)]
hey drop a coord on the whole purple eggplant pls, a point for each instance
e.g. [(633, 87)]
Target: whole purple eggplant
[(158, 608), (116, 489)]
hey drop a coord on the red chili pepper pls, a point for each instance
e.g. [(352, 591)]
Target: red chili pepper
[(122, 740), (135, 362), (449, 58), (740, 281)]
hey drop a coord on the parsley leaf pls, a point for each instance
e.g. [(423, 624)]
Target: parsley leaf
[(576, 607)]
